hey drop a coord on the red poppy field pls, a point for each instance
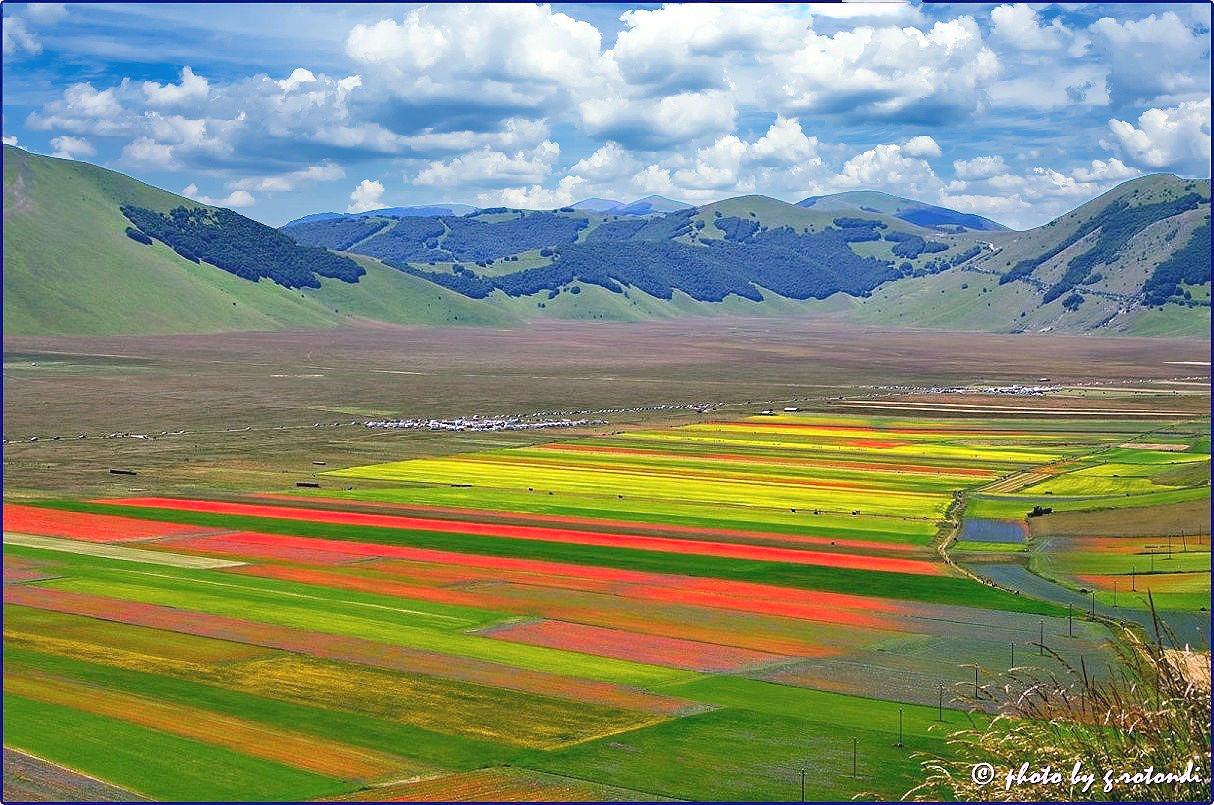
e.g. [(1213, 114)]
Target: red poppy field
[(552, 621)]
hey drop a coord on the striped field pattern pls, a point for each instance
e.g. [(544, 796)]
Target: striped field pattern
[(689, 613)]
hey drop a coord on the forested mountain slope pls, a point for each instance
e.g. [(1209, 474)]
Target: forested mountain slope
[(91, 251)]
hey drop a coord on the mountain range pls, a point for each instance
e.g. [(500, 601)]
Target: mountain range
[(91, 251), (915, 212)]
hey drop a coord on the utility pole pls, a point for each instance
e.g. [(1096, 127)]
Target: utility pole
[(1013, 646), (975, 682), (940, 707), (802, 785), (1133, 584), (900, 743)]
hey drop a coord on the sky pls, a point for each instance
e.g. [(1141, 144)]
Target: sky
[(1015, 112)]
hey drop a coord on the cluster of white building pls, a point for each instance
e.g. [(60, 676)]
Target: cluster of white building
[(1013, 389), (478, 424)]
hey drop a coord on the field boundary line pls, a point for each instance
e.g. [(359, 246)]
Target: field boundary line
[(124, 789), (108, 551)]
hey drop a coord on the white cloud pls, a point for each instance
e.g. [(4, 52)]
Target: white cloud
[(536, 197), (785, 143), (921, 146), (1054, 85), (237, 198), (982, 167), (491, 60), (68, 147), (298, 77), (1101, 171), (891, 10), (45, 13), (659, 122), (83, 109), (1176, 138), (888, 73), (730, 164), (489, 168), (367, 196), (18, 39), (717, 166), (888, 167), (254, 119), (681, 47), (779, 160), (1151, 59), (147, 153), (190, 138), (474, 99), (1019, 27), (1042, 183), (1036, 196), (192, 89), (996, 207), (654, 180), (610, 161), (516, 42), (285, 182), (10, 140)]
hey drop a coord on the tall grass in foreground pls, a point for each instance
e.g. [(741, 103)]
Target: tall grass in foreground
[(1151, 712)]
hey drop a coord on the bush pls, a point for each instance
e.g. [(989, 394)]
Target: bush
[(136, 235), (480, 240), (336, 233), (1117, 223), (1153, 711), (737, 228), (859, 223), (242, 246), (1190, 264), (616, 230), (908, 245)]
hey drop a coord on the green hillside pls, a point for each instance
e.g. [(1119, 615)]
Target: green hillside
[(915, 212), (70, 269), (87, 252)]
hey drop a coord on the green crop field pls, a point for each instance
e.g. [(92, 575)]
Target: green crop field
[(571, 402), (754, 596)]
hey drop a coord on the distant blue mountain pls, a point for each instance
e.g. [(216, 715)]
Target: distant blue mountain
[(650, 205), (431, 210), (915, 212), (598, 205)]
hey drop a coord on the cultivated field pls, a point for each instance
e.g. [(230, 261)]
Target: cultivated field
[(678, 603)]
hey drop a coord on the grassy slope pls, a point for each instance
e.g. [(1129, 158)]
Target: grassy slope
[(387, 295), (71, 270), (941, 301)]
